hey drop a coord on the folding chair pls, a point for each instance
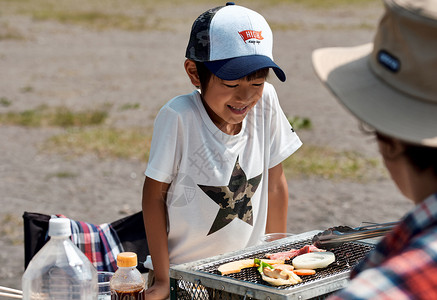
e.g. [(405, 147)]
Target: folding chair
[(130, 232)]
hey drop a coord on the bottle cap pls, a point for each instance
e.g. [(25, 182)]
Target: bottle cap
[(59, 227), (127, 259)]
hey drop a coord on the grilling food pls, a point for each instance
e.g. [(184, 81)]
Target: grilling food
[(288, 267), (277, 276), (281, 266), (293, 252), (314, 260), (304, 272), (274, 272), (238, 265)]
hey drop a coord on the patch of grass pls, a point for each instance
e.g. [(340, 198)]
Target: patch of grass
[(129, 106), (66, 118), (284, 26), (28, 118), (300, 122), (11, 227), (63, 175), (95, 19), (330, 164), (360, 26), (135, 144), (54, 117), (5, 102), (103, 142), (100, 15), (26, 89)]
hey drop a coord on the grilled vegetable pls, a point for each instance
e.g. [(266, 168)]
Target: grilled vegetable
[(276, 277), (238, 265), (313, 260), (304, 272), (287, 267)]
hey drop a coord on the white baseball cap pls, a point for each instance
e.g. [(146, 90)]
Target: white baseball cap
[(233, 42)]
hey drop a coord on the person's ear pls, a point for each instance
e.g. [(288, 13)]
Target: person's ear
[(391, 148), (191, 69)]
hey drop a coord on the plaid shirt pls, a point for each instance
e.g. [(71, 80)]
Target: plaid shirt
[(99, 243), (404, 264)]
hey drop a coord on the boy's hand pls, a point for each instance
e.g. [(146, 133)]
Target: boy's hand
[(158, 291)]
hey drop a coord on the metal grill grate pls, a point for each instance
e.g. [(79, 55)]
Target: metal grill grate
[(205, 273), (346, 255)]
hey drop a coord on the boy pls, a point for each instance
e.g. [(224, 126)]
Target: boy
[(214, 182), (390, 85)]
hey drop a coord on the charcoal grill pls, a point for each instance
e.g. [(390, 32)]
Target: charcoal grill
[(202, 280)]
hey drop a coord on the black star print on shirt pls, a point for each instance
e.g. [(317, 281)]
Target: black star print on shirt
[(234, 199)]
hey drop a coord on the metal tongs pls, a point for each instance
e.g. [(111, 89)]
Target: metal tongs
[(335, 236)]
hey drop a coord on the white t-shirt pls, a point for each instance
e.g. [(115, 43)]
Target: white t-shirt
[(217, 200)]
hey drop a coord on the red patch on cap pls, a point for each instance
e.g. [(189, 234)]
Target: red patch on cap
[(250, 34)]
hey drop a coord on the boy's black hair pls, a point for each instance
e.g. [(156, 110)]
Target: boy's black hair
[(205, 75)]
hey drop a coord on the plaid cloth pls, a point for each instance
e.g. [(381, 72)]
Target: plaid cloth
[(404, 264), (100, 243)]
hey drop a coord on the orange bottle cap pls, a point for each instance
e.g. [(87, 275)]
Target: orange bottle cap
[(127, 259)]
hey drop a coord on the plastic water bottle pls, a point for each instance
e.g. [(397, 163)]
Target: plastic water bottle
[(60, 270), (127, 282)]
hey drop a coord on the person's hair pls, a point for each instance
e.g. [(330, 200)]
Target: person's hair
[(205, 75), (421, 157)]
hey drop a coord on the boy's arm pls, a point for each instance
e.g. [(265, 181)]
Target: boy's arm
[(155, 222), (278, 201)]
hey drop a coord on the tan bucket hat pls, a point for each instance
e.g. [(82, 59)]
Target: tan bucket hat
[(391, 84)]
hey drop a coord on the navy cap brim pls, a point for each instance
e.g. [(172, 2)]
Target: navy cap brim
[(239, 67)]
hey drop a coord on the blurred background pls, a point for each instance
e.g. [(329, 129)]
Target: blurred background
[(81, 82)]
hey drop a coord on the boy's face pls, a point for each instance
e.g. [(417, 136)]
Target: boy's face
[(228, 102)]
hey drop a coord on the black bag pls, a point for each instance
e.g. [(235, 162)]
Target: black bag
[(130, 231)]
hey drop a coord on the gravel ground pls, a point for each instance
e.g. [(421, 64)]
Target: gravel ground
[(60, 65)]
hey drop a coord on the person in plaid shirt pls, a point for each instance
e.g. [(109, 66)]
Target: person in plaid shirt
[(390, 86)]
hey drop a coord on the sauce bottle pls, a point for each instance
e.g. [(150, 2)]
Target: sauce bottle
[(127, 282)]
